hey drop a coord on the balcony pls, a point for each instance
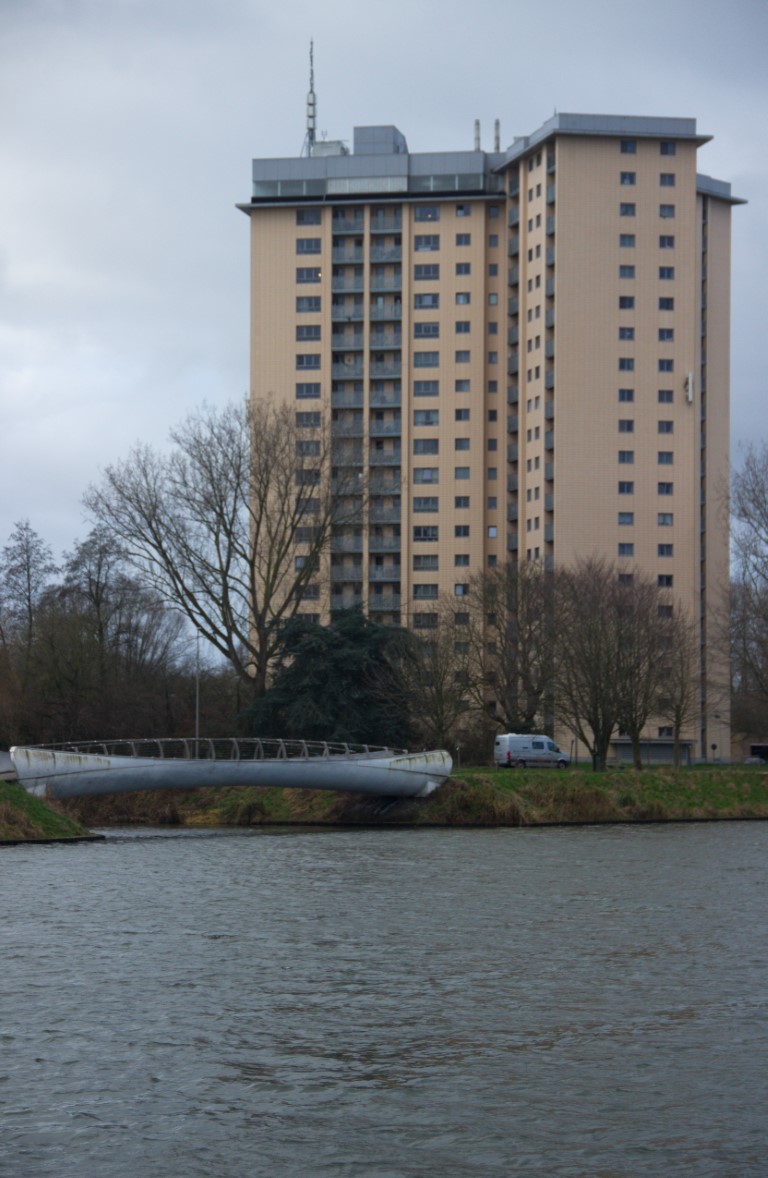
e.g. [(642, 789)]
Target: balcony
[(384, 515), (386, 253), (513, 365), (347, 371), (386, 282), (512, 513), (346, 601), (346, 543), (549, 440), (549, 379), (391, 572), (348, 223), (512, 542), (549, 533), (549, 317), (386, 398), (514, 246), (344, 282), (346, 314), (385, 544), (513, 305), (549, 411), (384, 458), (512, 452), (513, 275), (550, 194), (379, 484), (514, 216), (512, 423), (344, 456), (343, 254), (342, 343), (386, 339), (549, 288), (388, 311), (513, 336), (352, 399), (550, 255), (383, 602), (549, 349), (550, 226), (512, 483), (549, 471), (386, 429), (386, 222), (549, 501), (348, 429), (381, 368), (513, 394)]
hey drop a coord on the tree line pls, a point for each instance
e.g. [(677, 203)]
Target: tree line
[(202, 539)]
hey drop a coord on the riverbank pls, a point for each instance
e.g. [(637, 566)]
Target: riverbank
[(24, 818), (472, 797)]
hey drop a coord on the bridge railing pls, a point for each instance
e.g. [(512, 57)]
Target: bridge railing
[(221, 749)]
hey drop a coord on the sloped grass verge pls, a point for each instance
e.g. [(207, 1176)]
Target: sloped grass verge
[(24, 818)]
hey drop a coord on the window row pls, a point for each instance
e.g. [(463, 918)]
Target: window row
[(628, 488), (627, 426), (664, 519), (627, 302), (664, 396), (629, 147), (666, 273), (629, 209), (627, 364), (665, 334), (663, 458), (627, 549), (629, 179)]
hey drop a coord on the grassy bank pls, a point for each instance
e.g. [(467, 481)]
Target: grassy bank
[(472, 797), (24, 818)]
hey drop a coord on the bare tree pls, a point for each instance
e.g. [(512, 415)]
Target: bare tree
[(432, 676), (749, 593), (26, 567), (679, 700), (511, 636), (586, 667), (646, 637), (230, 526)]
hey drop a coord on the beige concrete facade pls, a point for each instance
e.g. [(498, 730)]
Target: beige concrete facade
[(524, 354)]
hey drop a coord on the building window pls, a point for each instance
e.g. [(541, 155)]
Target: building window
[(426, 416), (426, 330), (310, 360), (626, 210), (427, 503), (426, 213), (665, 549), (626, 457), (461, 415), (626, 549), (666, 334), (425, 474), (463, 268), (426, 359), (426, 446), (626, 271), (626, 395), (628, 178), (626, 578), (667, 148), (461, 501), (425, 563), (426, 534), (308, 274), (461, 357), (463, 298), (627, 240), (461, 386), (308, 448), (666, 458), (308, 245), (463, 210), (626, 333), (425, 621), (424, 302), (626, 425), (493, 271), (461, 443), (626, 364), (666, 396), (308, 331), (665, 580), (308, 216), (426, 272), (462, 327), (629, 147), (461, 530), (461, 472), (308, 392), (493, 357), (426, 242), (666, 427), (666, 273), (626, 518), (666, 241), (626, 302), (308, 303), (461, 560), (425, 592), (308, 420), (460, 590), (666, 304), (463, 238), (667, 179), (667, 211), (666, 488), (626, 488), (426, 388), (493, 240), (665, 519), (666, 365)]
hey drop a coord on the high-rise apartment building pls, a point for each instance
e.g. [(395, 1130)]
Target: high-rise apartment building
[(522, 354)]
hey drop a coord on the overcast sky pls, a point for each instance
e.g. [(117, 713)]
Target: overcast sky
[(127, 128)]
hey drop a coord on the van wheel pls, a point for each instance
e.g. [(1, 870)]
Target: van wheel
[(561, 765), (520, 764)]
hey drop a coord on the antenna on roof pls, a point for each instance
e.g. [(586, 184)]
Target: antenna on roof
[(477, 134), (496, 135), (309, 139)]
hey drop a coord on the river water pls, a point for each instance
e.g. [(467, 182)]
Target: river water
[(386, 1004)]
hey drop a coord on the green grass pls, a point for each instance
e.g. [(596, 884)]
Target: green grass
[(474, 796), (26, 818)]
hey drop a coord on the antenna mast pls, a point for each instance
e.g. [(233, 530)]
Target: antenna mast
[(311, 102)]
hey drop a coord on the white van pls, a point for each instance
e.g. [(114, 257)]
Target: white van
[(512, 749)]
